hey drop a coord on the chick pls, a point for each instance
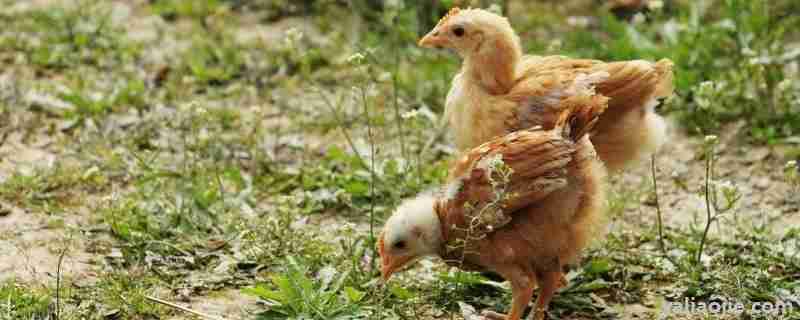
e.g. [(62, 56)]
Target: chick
[(499, 90), (522, 205)]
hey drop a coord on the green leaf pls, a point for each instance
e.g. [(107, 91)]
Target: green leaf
[(273, 314), (264, 293), (353, 295), (591, 286), (289, 293), (234, 174), (401, 293), (335, 153), (598, 266), (357, 188)]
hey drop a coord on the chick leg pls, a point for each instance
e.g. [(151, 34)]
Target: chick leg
[(562, 281), (522, 285), (550, 282)]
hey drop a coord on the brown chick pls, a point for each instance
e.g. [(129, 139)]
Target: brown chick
[(524, 227), (499, 90)]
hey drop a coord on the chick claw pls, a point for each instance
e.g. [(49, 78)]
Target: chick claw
[(538, 315), (491, 315)]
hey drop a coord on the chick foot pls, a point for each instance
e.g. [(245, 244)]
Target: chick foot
[(538, 315), (562, 281)]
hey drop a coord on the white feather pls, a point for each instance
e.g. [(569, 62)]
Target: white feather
[(452, 189), (584, 83), (416, 214), (656, 128)]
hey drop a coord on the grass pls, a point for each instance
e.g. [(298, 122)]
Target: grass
[(18, 302), (223, 150), (52, 188)]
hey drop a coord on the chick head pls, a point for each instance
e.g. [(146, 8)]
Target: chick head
[(412, 232), (466, 30)]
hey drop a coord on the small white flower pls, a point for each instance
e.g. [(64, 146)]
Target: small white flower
[(791, 164), (705, 93), (762, 60), (491, 163), (748, 52), (655, 5), (410, 114), (294, 34), (495, 8), (187, 107), (711, 139), (384, 76), (356, 58), (706, 86), (292, 37), (578, 21), (724, 185), (639, 18), (96, 96), (394, 4), (785, 85), (555, 45)]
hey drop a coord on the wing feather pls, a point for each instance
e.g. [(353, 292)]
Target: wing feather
[(493, 181), (496, 179), (541, 98)]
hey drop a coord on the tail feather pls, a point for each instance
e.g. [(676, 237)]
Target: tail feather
[(664, 87), (632, 83), (630, 128)]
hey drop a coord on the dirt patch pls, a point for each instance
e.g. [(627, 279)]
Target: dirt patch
[(756, 171), (31, 244), (229, 303), (19, 158)]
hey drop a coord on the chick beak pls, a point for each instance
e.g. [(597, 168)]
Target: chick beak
[(386, 269), (433, 39), (390, 265)]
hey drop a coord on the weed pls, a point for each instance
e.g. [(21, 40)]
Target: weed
[(792, 174), (714, 208), (197, 10), (50, 188), (300, 297), (126, 291), (19, 302), (271, 238), (63, 37), (214, 61)]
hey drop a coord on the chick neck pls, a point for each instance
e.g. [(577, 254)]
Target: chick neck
[(493, 63), (417, 219), (431, 238)]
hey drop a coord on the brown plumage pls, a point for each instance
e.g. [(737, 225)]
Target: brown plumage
[(499, 90), (521, 205)]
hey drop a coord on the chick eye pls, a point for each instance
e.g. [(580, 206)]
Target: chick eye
[(400, 245), (458, 31)]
